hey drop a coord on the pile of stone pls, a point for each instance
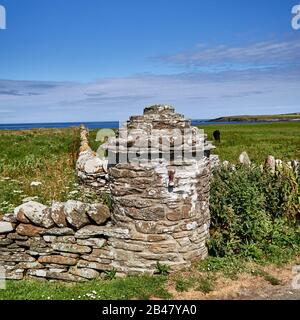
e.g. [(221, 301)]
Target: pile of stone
[(67, 241), (163, 197), (91, 169)]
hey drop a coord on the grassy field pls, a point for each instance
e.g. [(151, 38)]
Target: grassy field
[(282, 140), (44, 155), (142, 287)]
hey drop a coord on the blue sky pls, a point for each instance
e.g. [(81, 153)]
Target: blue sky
[(97, 60)]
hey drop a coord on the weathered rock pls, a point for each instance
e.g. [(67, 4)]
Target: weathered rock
[(16, 274), (84, 273), (76, 213), (99, 213), (178, 214), (69, 254), (17, 257), (73, 248), (5, 242), (37, 273), (5, 227), (65, 239), (270, 163), (58, 214), (105, 253), (56, 269), (15, 236), (64, 276), (58, 232), (20, 216), (32, 242), (30, 265), (92, 231), (93, 165), (9, 217), (152, 213), (35, 212), (93, 265), (244, 159), (58, 259), (49, 238), (29, 230), (12, 248), (92, 242)]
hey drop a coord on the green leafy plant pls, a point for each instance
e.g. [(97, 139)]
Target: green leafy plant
[(107, 200), (206, 283), (254, 214), (162, 269), (182, 284), (110, 274)]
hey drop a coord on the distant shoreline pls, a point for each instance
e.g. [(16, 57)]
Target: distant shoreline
[(292, 117), (115, 124)]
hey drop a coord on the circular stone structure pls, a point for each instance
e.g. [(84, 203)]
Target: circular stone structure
[(159, 182)]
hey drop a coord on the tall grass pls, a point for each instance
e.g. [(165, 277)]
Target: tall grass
[(281, 140)]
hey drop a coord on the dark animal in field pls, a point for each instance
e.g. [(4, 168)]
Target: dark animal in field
[(217, 135)]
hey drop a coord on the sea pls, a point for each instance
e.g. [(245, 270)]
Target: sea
[(89, 125), (102, 124)]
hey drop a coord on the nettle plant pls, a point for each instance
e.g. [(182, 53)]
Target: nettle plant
[(253, 213)]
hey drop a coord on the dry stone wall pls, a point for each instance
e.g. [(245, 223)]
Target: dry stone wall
[(160, 209), (91, 169), (67, 241)]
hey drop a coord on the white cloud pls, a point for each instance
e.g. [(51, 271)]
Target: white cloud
[(197, 95), (260, 54)]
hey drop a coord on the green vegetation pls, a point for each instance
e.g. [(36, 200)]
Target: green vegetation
[(44, 155), (110, 274), (142, 287), (282, 140), (254, 215), (205, 283), (232, 266), (162, 269), (183, 284)]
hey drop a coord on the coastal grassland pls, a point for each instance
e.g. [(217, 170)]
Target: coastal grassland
[(282, 140), (44, 155)]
